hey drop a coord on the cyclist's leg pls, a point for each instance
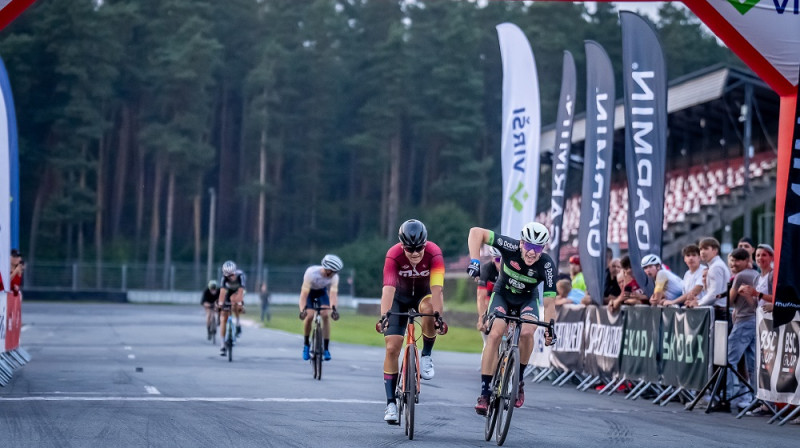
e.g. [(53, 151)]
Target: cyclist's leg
[(223, 323), (428, 325), (209, 313), (498, 328), (393, 338), (529, 310)]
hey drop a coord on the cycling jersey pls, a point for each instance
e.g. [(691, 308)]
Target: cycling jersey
[(209, 297), (413, 281), (232, 286), (488, 276), (668, 283), (518, 280), (314, 279)]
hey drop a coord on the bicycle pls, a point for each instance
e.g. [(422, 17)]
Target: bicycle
[(505, 382), (408, 384), (230, 332), (212, 324), (316, 338)]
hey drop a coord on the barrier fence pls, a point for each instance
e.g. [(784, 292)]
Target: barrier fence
[(667, 351), (11, 355)]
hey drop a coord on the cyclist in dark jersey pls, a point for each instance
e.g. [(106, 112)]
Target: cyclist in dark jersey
[(524, 266), (231, 298), (210, 296), (486, 281), (413, 275)]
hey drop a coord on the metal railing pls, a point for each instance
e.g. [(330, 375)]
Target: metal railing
[(176, 277)]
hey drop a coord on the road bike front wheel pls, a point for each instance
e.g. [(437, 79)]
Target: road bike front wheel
[(494, 401), (508, 396), (411, 391), (318, 351)]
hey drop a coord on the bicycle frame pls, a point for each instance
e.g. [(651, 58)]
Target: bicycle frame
[(505, 388), (317, 337)]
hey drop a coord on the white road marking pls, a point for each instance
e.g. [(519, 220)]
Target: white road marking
[(128, 347), (152, 390), (131, 356), (207, 399), (24, 327)]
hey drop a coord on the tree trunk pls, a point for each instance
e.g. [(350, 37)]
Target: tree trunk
[(98, 214), (393, 206), (226, 167), (277, 181), (82, 185), (140, 180), (384, 228), (262, 202), (120, 171), (244, 200), (197, 227), (42, 192), (168, 230), (155, 226)]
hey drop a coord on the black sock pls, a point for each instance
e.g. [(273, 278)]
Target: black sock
[(427, 345), (390, 383), (325, 343), (305, 341), (486, 384), (522, 368)]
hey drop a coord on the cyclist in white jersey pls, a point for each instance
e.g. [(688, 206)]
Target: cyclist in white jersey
[(320, 286), (668, 285)]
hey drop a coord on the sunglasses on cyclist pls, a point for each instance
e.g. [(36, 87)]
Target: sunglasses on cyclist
[(497, 259), (534, 247), (413, 249)]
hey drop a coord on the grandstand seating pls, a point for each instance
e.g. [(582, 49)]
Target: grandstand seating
[(687, 192)]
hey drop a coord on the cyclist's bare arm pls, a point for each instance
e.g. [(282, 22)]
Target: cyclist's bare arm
[(303, 297), (437, 299), (482, 305), (223, 292), (477, 237), (333, 291), (387, 297)]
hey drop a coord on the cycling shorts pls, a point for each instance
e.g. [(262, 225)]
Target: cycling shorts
[(318, 296), (527, 307), (401, 304)]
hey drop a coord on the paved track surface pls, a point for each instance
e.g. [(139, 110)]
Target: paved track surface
[(82, 389)]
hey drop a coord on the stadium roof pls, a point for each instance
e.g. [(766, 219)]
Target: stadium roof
[(694, 89)]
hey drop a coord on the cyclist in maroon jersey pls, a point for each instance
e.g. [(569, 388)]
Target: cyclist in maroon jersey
[(413, 276)]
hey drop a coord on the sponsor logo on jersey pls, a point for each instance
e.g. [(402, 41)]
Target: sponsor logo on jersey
[(514, 265), (516, 283), (530, 272), (413, 273), (406, 266), (548, 265)]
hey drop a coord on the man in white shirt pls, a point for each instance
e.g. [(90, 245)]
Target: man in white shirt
[(716, 292), (668, 285), (692, 279)]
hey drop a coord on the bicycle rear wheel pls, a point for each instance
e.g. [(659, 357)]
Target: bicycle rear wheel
[(411, 391), (318, 351), (508, 396), (229, 339), (212, 328)]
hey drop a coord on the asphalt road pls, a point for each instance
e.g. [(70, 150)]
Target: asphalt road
[(82, 388)]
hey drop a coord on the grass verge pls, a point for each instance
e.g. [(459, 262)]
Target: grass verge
[(353, 328)]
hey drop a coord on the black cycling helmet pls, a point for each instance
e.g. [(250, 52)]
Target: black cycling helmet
[(413, 233)]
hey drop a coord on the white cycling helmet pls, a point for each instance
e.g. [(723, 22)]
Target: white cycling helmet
[(332, 262), (535, 233), (649, 260), (228, 268), (212, 284), (494, 252)]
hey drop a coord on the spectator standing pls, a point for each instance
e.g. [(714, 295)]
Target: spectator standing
[(566, 294), (716, 280), (668, 286), (692, 286), (576, 273), (263, 294), (632, 293), (762, 290), (747, 244), (742, 338)]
